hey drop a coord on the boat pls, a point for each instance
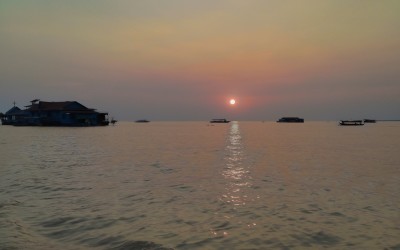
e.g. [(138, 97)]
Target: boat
[(113, 121), (291, 120), (142, 121), (351, 123), (369, 121), (219, 121)]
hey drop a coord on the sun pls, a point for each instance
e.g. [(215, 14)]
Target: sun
[(232, 101)]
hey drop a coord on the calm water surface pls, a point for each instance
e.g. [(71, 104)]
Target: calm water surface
[(190, 185)]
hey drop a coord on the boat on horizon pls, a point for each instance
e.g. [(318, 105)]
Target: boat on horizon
[(113, 121), (219, 121), (142, 121), (351, 123), (369, 121), (291, 120)]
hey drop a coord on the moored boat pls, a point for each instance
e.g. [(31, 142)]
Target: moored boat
[(291, 120), (219, 121), (351, 123), (113, 121)]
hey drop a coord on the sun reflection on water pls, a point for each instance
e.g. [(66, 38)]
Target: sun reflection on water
[(235, 171), (235, 216)]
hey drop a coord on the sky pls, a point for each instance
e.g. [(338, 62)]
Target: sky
[(185, 59)]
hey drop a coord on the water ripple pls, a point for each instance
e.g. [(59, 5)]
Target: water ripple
[(243, 185)]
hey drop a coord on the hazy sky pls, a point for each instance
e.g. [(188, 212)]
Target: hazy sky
[(184, 60)]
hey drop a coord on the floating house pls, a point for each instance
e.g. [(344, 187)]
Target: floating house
[(40, 113)]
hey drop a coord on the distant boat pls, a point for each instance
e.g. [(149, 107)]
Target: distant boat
[(291, 120), (351, 123), (113, 121), (142, 121), (369, 121), (219, 121)]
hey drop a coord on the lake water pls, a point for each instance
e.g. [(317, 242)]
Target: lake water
[(192, 185)]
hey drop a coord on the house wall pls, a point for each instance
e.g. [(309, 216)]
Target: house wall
[(63, 118)]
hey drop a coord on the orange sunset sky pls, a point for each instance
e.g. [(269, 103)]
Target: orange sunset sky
[(184, 60)]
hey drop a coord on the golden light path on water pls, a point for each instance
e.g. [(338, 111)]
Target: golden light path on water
[(238, 182), (235, 169)]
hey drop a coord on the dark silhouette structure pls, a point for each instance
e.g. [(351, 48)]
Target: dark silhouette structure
[(291, 120), (40, 113)]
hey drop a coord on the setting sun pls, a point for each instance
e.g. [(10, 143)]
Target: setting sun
[(232, 101)]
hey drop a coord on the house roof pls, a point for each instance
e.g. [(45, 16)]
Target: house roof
[(59, 106), (13, 110)]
